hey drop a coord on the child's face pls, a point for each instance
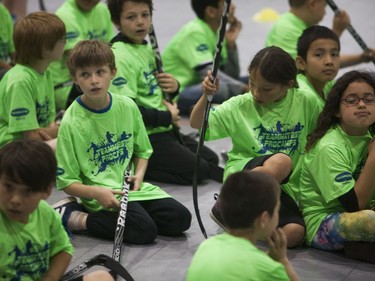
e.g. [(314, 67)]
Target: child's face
[(87, 5), (94, 81), (17, 201), (322, 61), (355, 119), (265, 92), (135, 21)]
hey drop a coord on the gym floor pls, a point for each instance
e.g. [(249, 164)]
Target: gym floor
[(168, 258)]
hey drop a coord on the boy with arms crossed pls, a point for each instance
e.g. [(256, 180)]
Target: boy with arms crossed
[(250, 207), (173, 158), (99, 136), (27, 104), (302, 14)]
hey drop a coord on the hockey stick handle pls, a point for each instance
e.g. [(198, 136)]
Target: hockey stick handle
[(155, 48), (350, 28)]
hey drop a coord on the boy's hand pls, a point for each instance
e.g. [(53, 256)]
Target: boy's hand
[(106, 197), (368, 55), (167, 83), (136, 182), (231, 34), (174, 111), (341, 21), (277, 245)]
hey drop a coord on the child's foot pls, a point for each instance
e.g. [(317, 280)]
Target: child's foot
[(215, 214), (65, 207)]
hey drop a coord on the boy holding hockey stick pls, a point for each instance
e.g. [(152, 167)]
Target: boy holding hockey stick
[(137, 77), (33, 243), (99, 135)]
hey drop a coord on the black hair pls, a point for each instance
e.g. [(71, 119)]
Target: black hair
[(199, 6), (115, 8)]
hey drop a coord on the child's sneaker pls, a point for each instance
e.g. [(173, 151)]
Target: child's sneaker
[(65, 207), (215, 213)]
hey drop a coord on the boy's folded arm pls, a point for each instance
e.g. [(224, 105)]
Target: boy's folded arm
[(58, 264), (153, 117)]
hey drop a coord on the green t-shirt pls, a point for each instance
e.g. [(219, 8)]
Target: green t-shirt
[(257, 130), (6, 34), (26, 249), (80, 25), (26, 102), (285, 33), (194, 45), (225, 257), (330, 170), (135, 78), (304, 84), (95, 147)]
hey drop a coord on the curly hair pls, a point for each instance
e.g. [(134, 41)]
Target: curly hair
[(328, 117)]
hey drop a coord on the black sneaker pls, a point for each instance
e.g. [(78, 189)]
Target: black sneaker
[(224, 155), (65, 207), (215, 213)]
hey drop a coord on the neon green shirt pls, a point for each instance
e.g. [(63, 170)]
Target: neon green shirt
[(225, 257), (26, 102), (6, 34), (26, 249), (80, 25), (194, 45), (285, 33), (257, 130), (95, 147), (305, 85), (330, 170), (135, 78)]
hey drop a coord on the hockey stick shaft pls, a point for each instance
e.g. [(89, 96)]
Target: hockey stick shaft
[(350, 28), (120, 228), (42, 6), (215, 69)]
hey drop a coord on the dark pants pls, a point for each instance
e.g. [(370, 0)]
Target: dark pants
[(173, 161), (144, 221)]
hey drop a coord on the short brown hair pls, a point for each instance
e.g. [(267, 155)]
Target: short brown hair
[(28, 162), (90, 53), (33, 33)]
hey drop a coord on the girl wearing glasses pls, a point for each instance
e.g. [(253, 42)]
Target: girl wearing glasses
[(338, 173)]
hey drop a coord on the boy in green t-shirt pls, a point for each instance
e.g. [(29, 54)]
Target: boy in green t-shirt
[(302, 14), (189, 54), (174, 153), (318, 60), (6, 41), (100, 135), (34, 244), (83, 20), (27, 104), (250, 207)]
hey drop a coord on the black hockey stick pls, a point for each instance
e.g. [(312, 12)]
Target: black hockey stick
[(215, 68), (159, 68), (42, 6), (350, 28), (102, 260), (120, 228)]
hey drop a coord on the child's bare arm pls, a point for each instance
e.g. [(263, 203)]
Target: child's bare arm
[(208, 88), (277, 251), (58, 264), (140, 170)]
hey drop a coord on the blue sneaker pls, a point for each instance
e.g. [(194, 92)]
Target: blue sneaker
[(65, 207)]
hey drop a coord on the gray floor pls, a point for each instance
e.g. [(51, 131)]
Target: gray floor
[(167, 259)]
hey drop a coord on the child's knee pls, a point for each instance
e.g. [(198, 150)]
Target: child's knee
[(294, 233)]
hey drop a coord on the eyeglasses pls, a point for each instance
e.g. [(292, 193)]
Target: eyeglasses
[(354, 100)]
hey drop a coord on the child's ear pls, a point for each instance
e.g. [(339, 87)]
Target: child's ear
[(48, 192), (300, 63), (113, 73), (263, 220), (210, 12)]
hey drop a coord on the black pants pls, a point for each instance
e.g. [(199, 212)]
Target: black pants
[(144, 221), (173, 161)]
